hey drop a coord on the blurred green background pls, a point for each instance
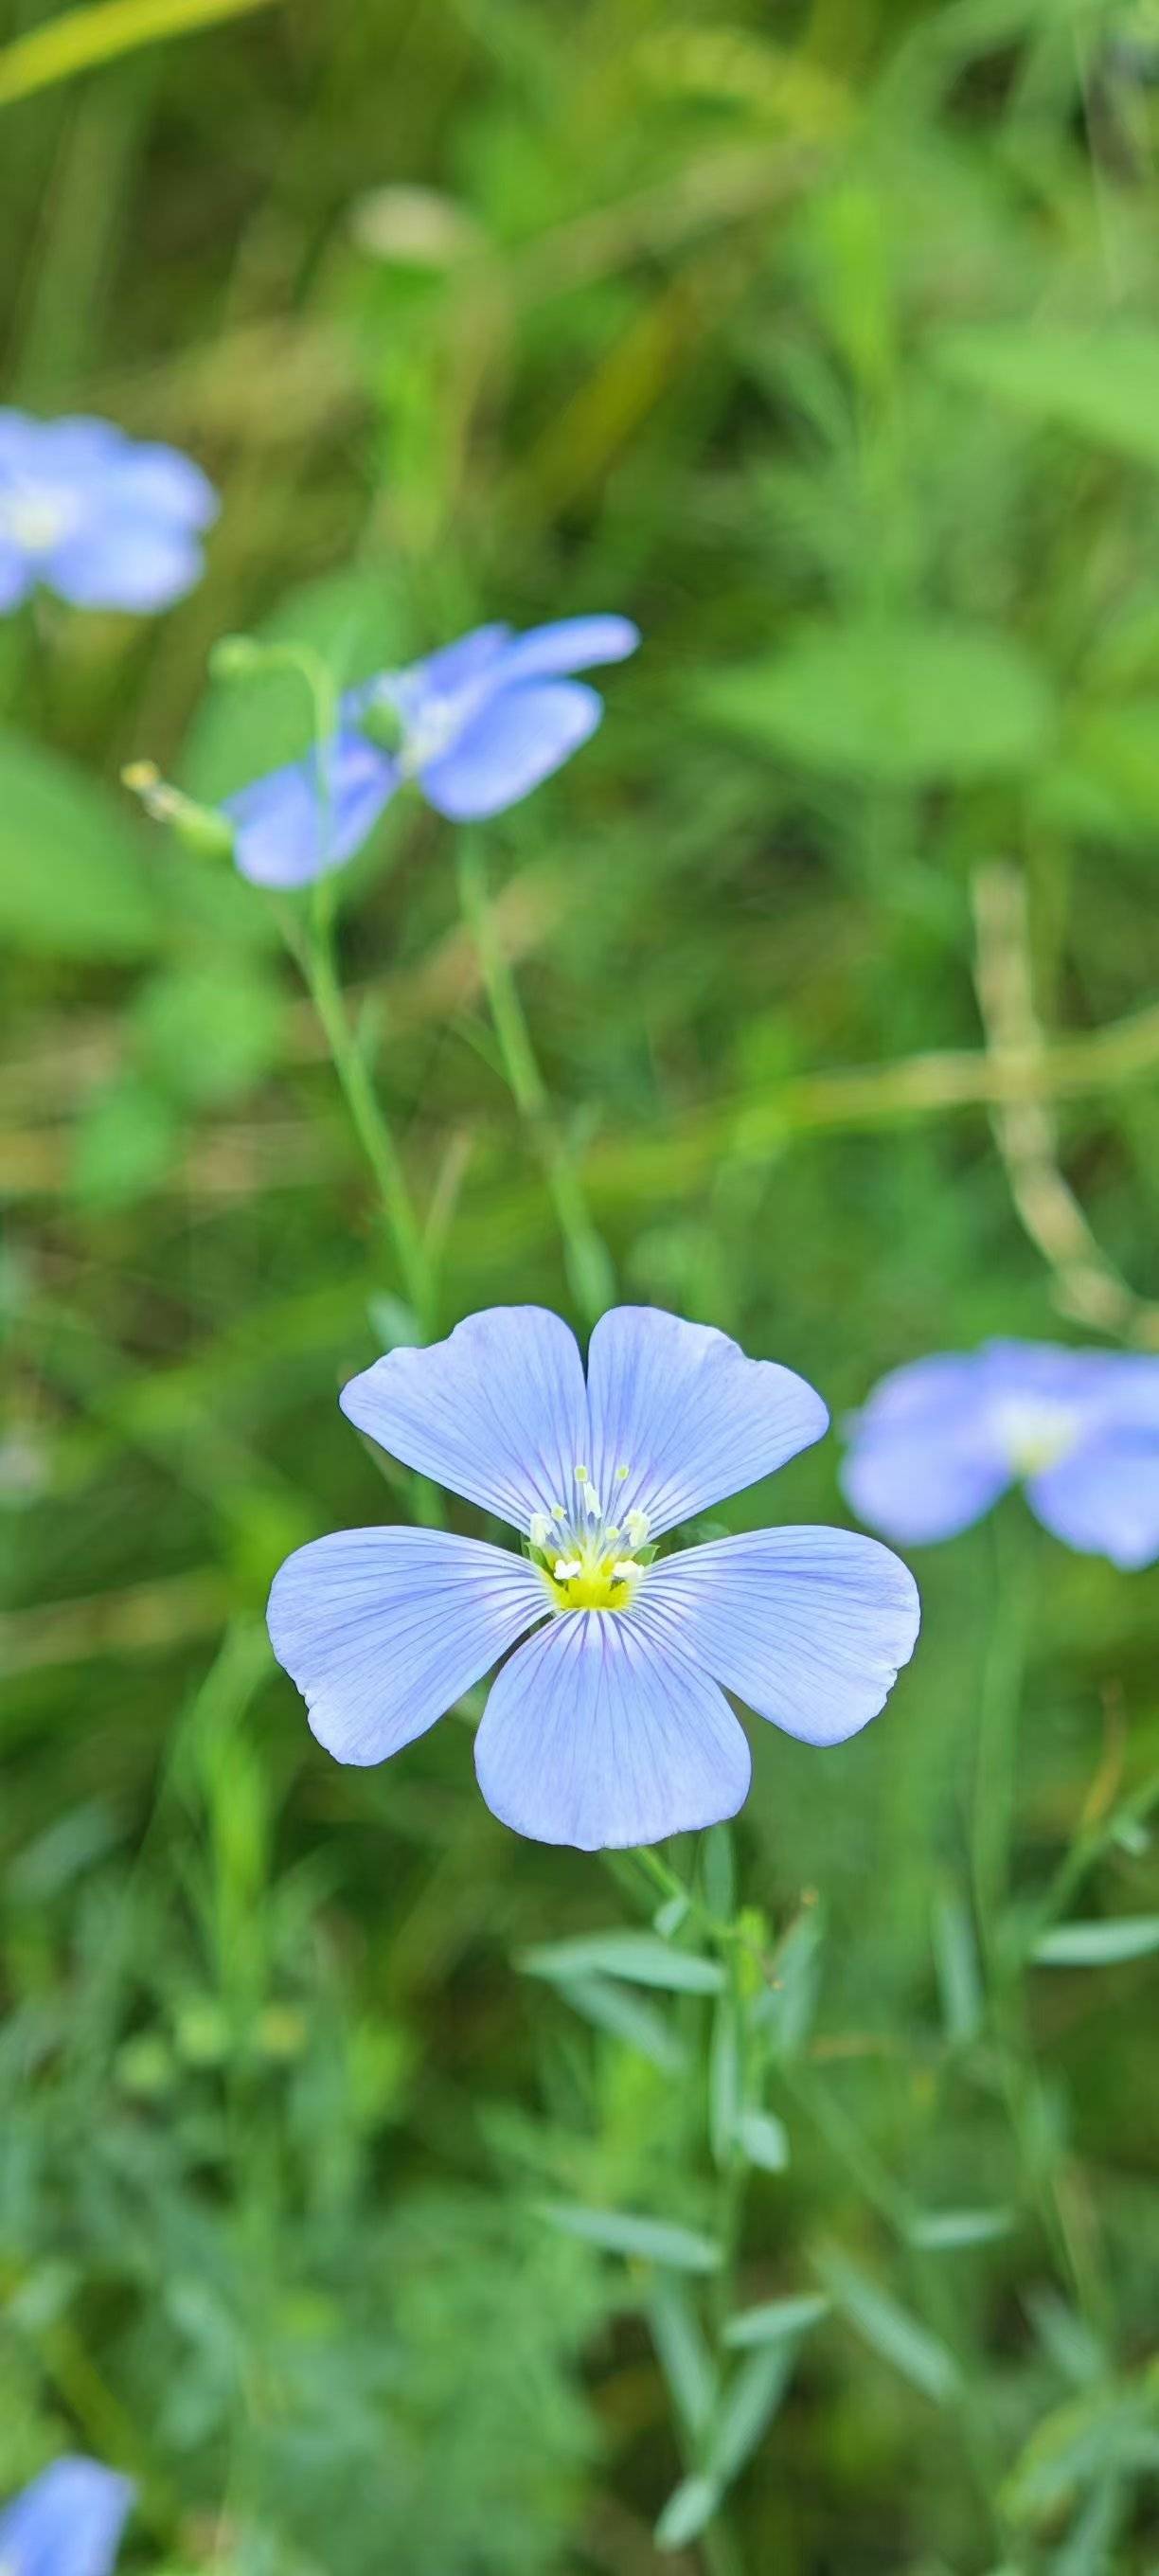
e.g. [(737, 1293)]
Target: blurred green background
[(822, 340)]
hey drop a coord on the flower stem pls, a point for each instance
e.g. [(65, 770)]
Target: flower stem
[(589, 1269), (316, 955)]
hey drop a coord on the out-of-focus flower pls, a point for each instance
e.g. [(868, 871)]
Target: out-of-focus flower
[(101, 519), (609, 1726), (67, 2523), (941, 1439), (477, 726)]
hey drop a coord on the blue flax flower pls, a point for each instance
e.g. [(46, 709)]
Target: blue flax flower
[(97, 517), (477, 725), (67, 2523), (608, 1726), (940, 1440)]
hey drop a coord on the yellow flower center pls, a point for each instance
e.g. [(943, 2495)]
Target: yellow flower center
[(589, 1562)]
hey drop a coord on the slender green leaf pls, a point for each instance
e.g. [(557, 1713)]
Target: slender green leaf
[(890, 2330), (765, 2140), (639, 1957), (688, 2512), (650, 2240), (778, 2321), (683, 2353), (1098, 1945), (747, 2408), (615, 2008), (943, 2231)]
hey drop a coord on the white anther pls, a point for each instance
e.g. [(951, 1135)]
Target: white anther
[(638, 1526), (566, 1569), (625, 1571), (540, 1531)]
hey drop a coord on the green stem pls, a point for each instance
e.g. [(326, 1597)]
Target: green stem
[(367, 1116), (992, 1822), (588, 1268)]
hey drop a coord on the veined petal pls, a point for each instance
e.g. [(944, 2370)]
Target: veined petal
[(568, 644), (67, 2523), (289, 832), (687, 1414), (498, 1411), (117, 560), (514, 740), (1104, 1497), (384, 1629), (808, 1626), (599, 1732)]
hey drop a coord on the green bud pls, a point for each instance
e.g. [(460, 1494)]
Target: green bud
[(382, 724), (240, 657), (199, 827)]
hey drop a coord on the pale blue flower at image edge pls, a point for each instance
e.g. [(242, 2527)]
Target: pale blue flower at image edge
[(942, 1438), (480, 724), (67, 2523), (102, 519), (608, 1726)]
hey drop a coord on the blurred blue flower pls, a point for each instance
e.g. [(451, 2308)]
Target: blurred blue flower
[(99, 518), (609, 1726), (478, 725), (67, 2523), (941, 1439)]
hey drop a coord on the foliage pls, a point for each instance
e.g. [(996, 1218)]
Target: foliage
[(822, 342)]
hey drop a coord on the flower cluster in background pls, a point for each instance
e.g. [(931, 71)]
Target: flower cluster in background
[(942, 1438), (97, 517)]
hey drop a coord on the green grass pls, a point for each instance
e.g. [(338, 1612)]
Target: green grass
[(821, 341)]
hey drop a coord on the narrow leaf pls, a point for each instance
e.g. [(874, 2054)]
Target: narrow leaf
[(891, 2331), (689, 2509), (747, 2408), (1098, 1945), (682, 2351), (621, 2231), (615, 2008), (765, 2140), (776, 2322), (942, 2231), (639, 1957)]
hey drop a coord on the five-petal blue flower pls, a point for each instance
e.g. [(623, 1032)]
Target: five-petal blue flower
[(478, 725), (942, 1438), (608, 1726), (98, 517), (67, 2523)]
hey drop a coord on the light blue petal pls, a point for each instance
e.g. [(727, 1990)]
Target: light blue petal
[(460, 665), (918, 1488), (119, 561), (19, 435), (516, 739), (808, 1626), (67, 2523), (925, 1456), (687, 1414), (384, 1629), (600, 1733), (1104, 1498), (75, 450), (570, 644), (17, 575), (498, 1411), (288, 833), (147, 480)]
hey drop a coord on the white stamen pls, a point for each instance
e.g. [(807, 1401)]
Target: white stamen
[(625, 1571), (638, 1526), (540, 1531), (566, 1569)]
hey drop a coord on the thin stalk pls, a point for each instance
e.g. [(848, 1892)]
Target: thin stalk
[(588, 1267)]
